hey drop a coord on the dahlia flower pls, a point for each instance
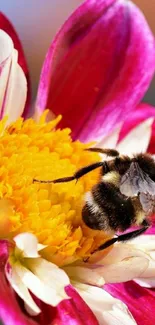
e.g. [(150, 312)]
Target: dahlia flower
[(95, 73)]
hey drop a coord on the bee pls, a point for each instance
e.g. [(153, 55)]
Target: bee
[(124, 196)]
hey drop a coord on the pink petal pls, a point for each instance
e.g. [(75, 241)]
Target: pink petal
[(69, 312), (98, 67), (140, 301), (10, 311), (9, 29), (138, 115), (141, 113)]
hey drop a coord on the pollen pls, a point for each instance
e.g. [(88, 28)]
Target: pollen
[(38, 150)]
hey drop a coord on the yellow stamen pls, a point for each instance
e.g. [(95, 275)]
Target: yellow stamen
[(52, 212)]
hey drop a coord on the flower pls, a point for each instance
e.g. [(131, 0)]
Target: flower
[(108, 92), (45, 261), (49, 214)]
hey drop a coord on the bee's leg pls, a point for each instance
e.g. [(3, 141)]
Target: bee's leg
[(81, 172), (108, 152), (125, 237)]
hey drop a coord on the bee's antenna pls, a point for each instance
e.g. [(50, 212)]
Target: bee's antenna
[(108, 152), (59, 180), (81, 172)]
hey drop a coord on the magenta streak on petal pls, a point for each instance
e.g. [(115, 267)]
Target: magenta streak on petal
[(98, 67), (9, 29), (10, 312), (138, 115), (88, 66), (132, 81), (73, 29), (72, 311), (140, 301)]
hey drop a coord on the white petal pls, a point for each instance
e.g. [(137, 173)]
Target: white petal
[(84, 275), (146, 282), (16, 92), (49, 273), (143, 242), (108, 310), (6, 46), (120, 252), (137, 140), (125, 270), (150, 271), (4, 75), (38, 288), (28, 244), (110, 140), (20, 288)]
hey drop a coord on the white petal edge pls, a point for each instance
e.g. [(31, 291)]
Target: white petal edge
[(146, 282), (108, 310), (110, 141), (125, 270), (16, 91), (137, 140), (84, 275), (38, 288), (6, 46), (50, 274), (17, 284), (4, 75), (122, 251), (28, 244), (143, 242)]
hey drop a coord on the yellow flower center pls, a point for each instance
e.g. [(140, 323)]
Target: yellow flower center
[(52, 212)]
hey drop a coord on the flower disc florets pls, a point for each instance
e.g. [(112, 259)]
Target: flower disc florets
[(52, 212)]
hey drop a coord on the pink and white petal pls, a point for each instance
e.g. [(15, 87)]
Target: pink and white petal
[(5, 70), (141, 113), (49, 273), (73, 311), (110, 82), (10, 311), (19, 287), (7, 27), (143, 242), (137, 140), (110, 141), (108, 310), (120, 252), (28, 245), (146, 282), (84, 275), (136, 298), (6, 46), (41, 290), (123, 271), (16, 92)]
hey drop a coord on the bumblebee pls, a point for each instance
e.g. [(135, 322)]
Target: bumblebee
[(123, 197)]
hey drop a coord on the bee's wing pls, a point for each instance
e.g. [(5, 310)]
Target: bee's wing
[(135, 181), (148, 202)]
